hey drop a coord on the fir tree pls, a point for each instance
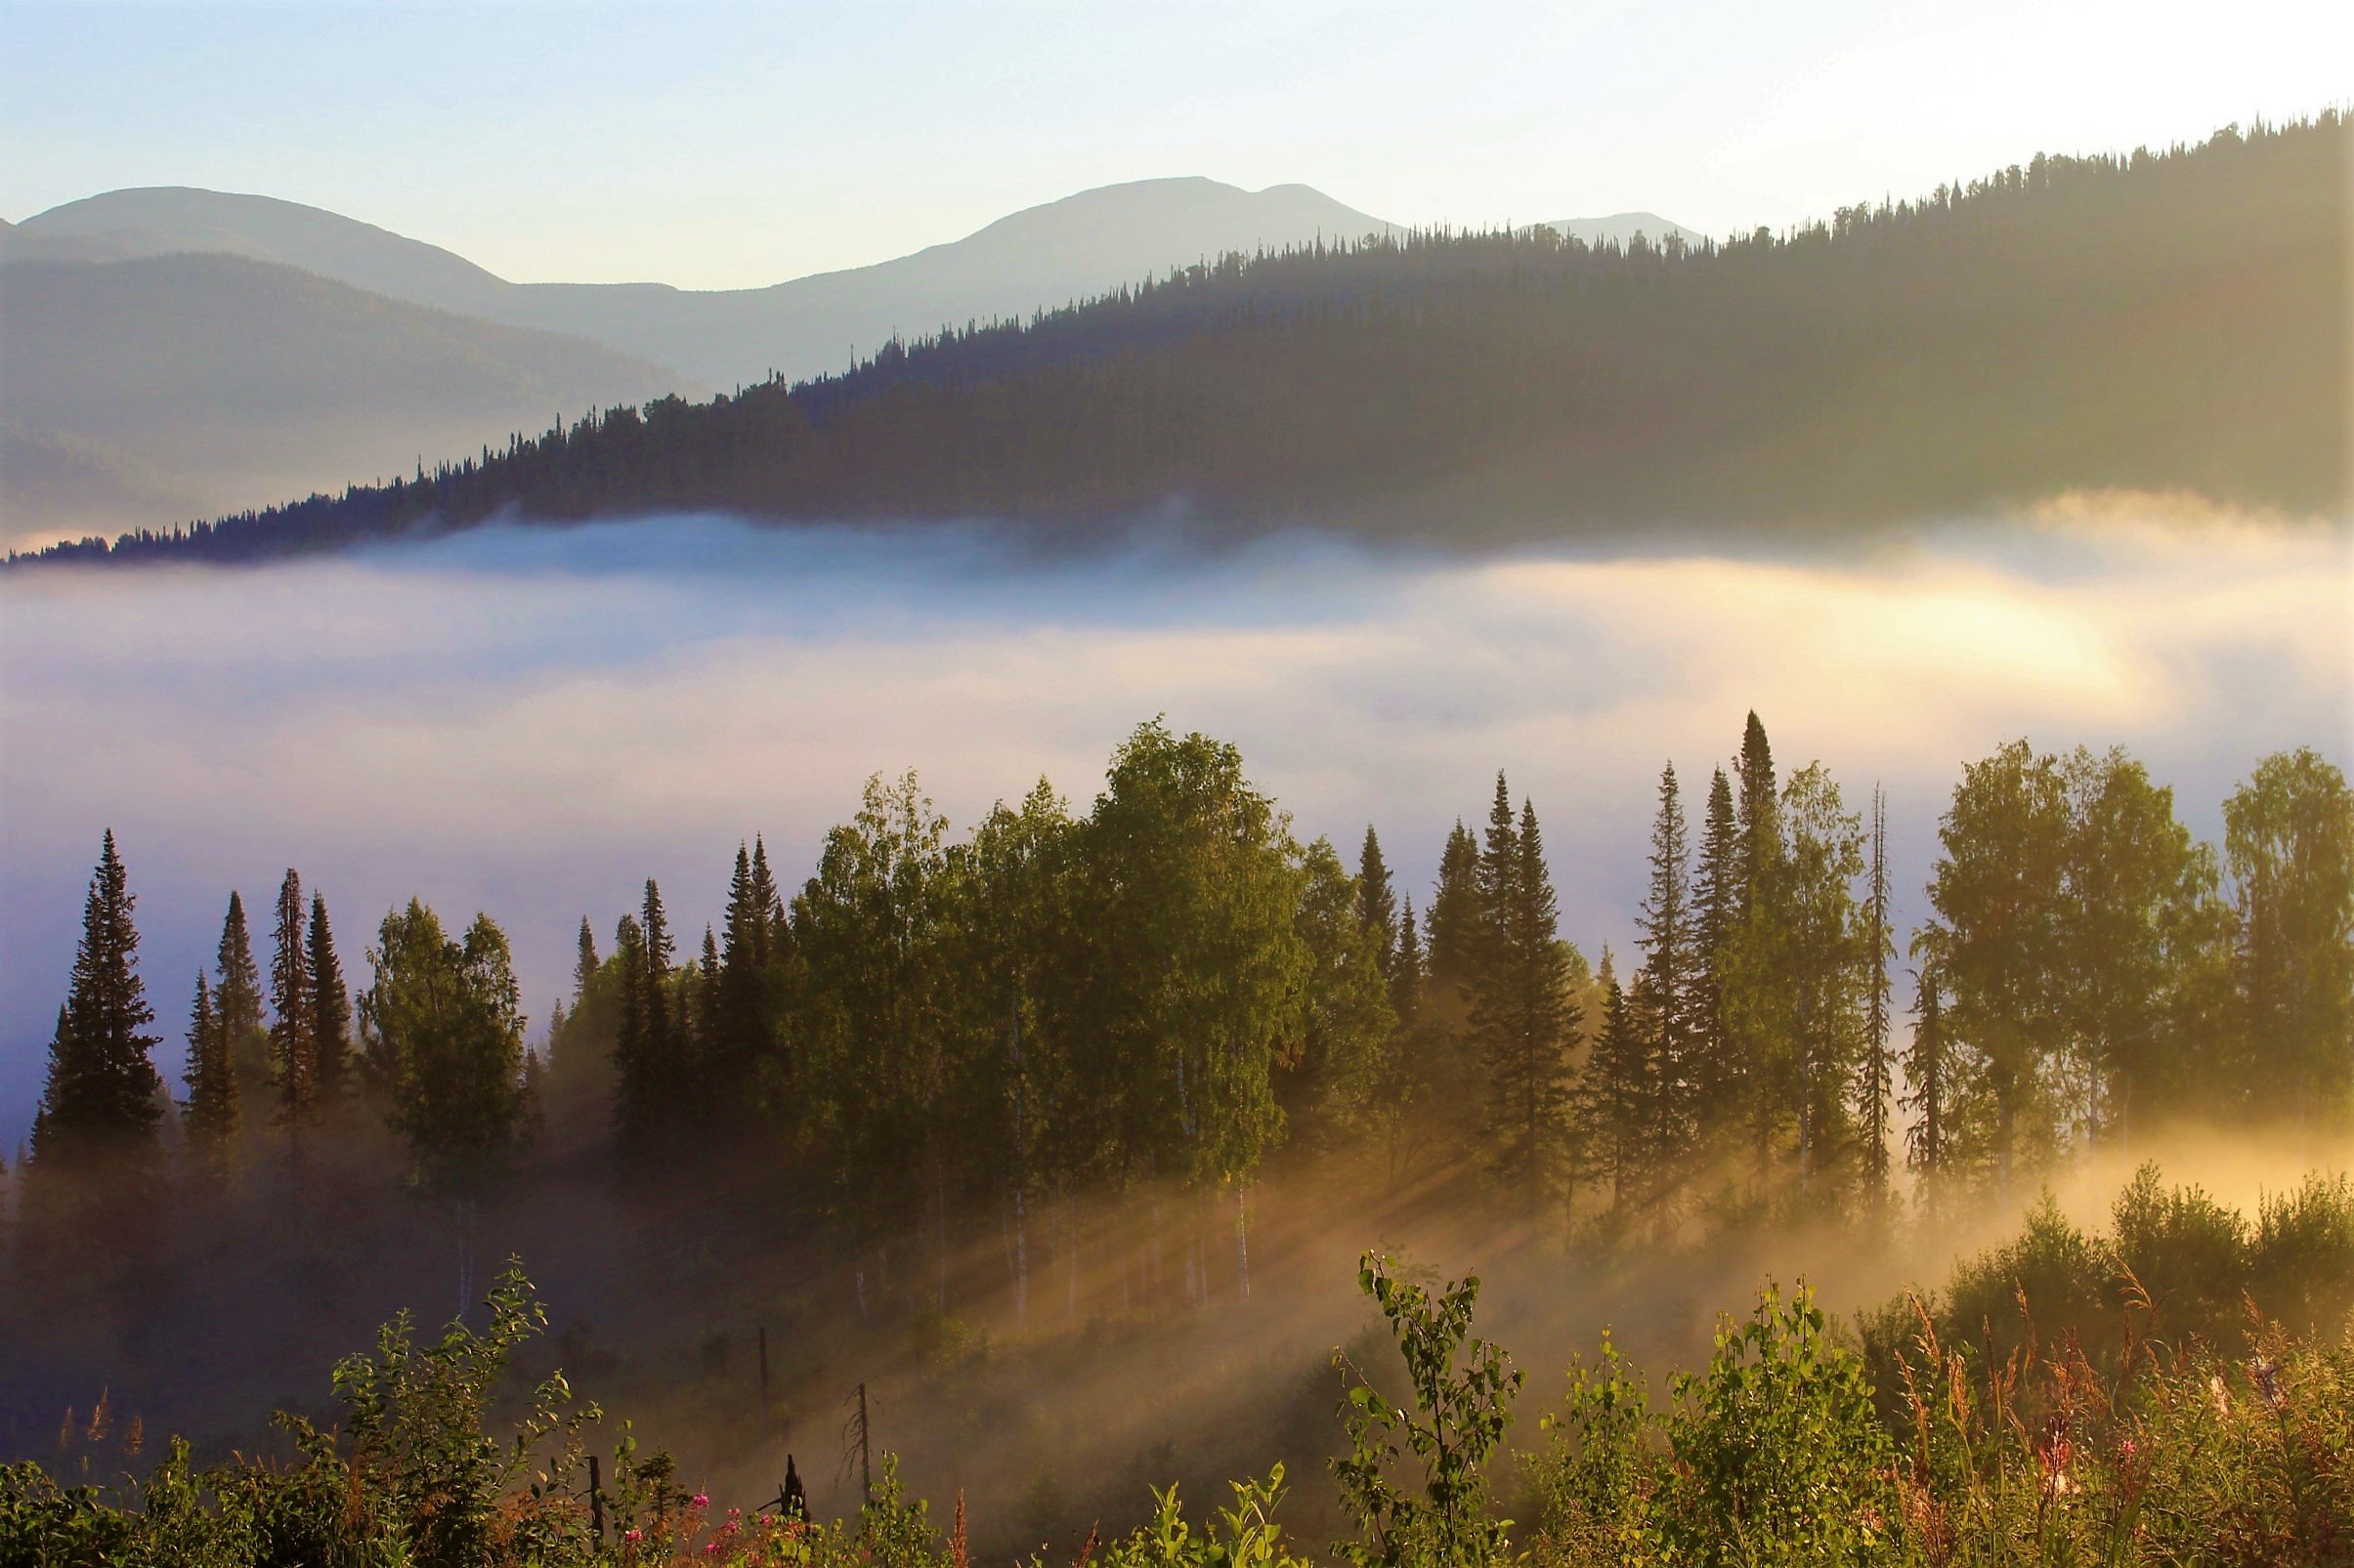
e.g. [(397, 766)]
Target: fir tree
[(103, 1099), (1756, 817), (1523, 1016), (1875, 1078), (638, 1093), (1451, 929), (293, 1038), (1716, 908), (1377, 902), (1613, 1092), (1667, 979), (211, 1076), (739, 985), (330, 1007), (1406, 970), (237, 1000), (1929, 1069)]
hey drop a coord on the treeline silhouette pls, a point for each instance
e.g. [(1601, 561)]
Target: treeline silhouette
[(2161, 321), (1161, 993)]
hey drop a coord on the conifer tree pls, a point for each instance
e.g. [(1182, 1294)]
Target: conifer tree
[(1377, 902), (1523, 1016), (1929, 1070), (1613, 1093), (211, 1078), (1756, 819), (1406, 970), (1876, 1076), (294, 1038), (103, 1100), (738, 986), (636, 1102), (768, 906), (1667, 979), (1716, 912), (1451, 929), (330, 1007), (654, 1018), (237, 1000)]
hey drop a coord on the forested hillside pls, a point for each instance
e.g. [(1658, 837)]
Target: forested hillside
[(1082, 1068), (2157, 321)]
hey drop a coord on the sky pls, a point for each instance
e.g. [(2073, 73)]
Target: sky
[(531, 721), (713, 146)]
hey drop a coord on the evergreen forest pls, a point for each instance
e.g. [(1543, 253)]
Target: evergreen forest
[(1085, 1087), (2162, 322)]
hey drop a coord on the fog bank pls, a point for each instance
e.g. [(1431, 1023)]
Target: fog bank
[(531, 721)]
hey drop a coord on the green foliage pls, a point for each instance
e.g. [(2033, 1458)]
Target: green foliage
[(1463, 1388), (1778, 1455), (444, 1028)]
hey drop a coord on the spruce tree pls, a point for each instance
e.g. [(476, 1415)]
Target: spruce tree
[(1875, 1074), (1668, 979), (1523, 1016), (1377, 902), (330, 1007), (103, 1100), (1452, 928), (294, 1039), (1716, 909), (211, 1078), (657, 1016), (768, 903), (1757, 814), (1929, 1070), (738, 986), (237, 1000), (1613, 1093), (1406, 971), (636, 1093)]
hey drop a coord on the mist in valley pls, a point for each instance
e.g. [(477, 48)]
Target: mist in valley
[(531, 721)]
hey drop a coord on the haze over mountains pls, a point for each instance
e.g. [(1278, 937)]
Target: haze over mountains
[(2077, 323), (170, 352)]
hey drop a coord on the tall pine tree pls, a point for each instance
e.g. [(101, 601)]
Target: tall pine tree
[(330, 1007), (212, 1111), (237, 1000), (1668, 980), (1523, 1016), (293, 1038), (1875, 1068), (103, 1100), (1377, 902), (1716, 912)]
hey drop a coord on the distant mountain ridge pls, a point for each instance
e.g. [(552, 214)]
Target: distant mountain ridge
[(1045, 255), (2079, 323), (159, 387)]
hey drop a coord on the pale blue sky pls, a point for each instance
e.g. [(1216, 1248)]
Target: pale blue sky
[(715, 146)]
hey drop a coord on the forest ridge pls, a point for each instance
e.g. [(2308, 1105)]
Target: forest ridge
[(2161, 321)]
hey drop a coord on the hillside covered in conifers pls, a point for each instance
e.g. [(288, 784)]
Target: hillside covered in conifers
[(2170, 320)]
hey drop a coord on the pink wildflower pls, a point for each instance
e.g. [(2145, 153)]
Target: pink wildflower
[(702, 1500), (633, 1536)]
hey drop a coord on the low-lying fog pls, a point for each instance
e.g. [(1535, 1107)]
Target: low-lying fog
[(531, 721)]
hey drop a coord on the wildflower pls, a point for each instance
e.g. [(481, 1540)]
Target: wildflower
[(2127, 1450), (701, 1499), (2267, 1375), (712, 1549), (633, 1536)]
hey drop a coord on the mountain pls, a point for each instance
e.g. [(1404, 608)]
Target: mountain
[(1042, 256), (183, 385), (2169, 321), (1621, 227)]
